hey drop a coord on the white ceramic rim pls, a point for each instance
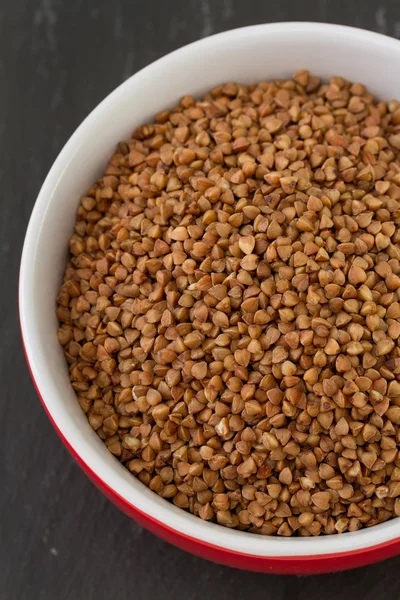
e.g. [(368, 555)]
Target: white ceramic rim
[(133, 492)]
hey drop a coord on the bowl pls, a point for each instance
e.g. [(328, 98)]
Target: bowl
[(271, 51)]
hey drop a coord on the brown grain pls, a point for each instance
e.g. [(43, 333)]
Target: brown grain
[(230, 312)]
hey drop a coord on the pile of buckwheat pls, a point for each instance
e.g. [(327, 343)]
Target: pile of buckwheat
[(231, 309)]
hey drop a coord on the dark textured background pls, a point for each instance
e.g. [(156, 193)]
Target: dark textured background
[(59, 538)]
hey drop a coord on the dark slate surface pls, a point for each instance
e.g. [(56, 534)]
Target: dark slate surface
[(60, 538)]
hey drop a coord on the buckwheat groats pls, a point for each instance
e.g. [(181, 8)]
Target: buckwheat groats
[(230, 312)]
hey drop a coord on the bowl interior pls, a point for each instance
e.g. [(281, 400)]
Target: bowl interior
[(246, 55)]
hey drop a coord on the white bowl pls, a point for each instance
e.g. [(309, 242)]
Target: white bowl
[(246, 55)]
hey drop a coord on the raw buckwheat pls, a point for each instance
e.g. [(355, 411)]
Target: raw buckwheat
[(231, 309)]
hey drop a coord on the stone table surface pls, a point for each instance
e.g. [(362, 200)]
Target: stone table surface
[(59, 537)]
